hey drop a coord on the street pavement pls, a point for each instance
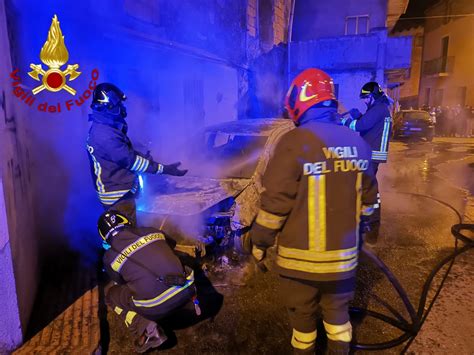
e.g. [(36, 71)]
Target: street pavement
[(242, 311)]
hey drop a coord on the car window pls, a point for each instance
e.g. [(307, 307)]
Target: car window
[(416, 116)]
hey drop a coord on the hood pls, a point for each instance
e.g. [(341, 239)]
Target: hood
[(186, 195)]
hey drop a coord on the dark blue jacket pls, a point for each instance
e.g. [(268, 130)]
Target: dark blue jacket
[(375, 126), (115, 165)]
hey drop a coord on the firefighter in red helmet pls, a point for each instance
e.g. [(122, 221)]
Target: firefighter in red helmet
[(315, 189)]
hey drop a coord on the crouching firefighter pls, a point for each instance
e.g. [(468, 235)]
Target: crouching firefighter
[(150, 279), (315, 186), (375, 126), (115, 164)]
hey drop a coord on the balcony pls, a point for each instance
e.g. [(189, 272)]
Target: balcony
[(363, 52), (441, 66)]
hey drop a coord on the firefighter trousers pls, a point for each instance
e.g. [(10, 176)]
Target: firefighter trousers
[(303, 300), (371, 224), (127, 206), (119, 299)]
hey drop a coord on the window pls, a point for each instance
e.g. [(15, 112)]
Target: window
[(357, 25), (461, 95), (265, 22), (438, 99), (427, 96), (444, 53)]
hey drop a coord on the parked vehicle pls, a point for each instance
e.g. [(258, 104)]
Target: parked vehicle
[(219, 197), (414, 124)]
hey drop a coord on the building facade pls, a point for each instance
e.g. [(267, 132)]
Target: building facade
[(350, 41), (409, 90), (447, 77)]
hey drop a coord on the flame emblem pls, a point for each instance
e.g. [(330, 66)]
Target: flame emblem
[(54, 54)]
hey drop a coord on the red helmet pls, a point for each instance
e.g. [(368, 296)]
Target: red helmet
[(309, 88)]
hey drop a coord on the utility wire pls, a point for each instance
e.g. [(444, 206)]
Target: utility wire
[(437, 16)]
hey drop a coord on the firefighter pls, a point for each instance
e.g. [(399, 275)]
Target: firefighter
[(150, 279), (115, 164), (375, 127), (314, 187)]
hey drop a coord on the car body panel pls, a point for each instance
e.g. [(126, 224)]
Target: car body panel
[(413, 123), (190, 195)]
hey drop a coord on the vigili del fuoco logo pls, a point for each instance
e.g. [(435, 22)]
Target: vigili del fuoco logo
[(54, 55)]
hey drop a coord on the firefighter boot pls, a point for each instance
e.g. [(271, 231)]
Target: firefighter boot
[(152, 337)]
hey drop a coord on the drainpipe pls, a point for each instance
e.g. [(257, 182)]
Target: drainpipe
[(290, 34)]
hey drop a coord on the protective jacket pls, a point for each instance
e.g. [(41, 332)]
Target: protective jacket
[(143, 259), (315, 185), (375, 126), (115, 165)]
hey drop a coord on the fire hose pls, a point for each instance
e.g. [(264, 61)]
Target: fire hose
[(410, 328), (417, 317)]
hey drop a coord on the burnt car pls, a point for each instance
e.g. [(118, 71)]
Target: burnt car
[(413, 124), (218, 199)]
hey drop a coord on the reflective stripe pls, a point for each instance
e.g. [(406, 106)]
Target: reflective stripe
[(129, 318), (121, 258), (97, 170), (145, 165), (352, 125), (270, 220), (303, 341), (317, 256), (118, 310), (376, 155), (386, 131), (315, 267), (166, 295), (317, 218), (109, 198), (358, 187), (160, 169), (344, 120), (136, 163), (341, 332)]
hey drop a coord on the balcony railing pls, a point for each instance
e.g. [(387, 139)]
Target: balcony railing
[(441, 66)]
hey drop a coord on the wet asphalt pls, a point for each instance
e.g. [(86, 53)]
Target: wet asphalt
[(242, 311)]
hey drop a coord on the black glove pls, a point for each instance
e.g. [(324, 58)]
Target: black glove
[(355, 113), (172, 169)]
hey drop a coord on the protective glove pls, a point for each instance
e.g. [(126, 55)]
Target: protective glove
[(355, 113), (172, 169)]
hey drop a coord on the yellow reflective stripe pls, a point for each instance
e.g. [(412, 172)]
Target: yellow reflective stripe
[(166, 295), (129, 318), (121, 258), (118, 310), (311, 212), (113, 193), (317, 218), (302, 340), (321, 245), (313, 255), (317, 268), (341, 332), (358, 204), (365, 91), (270, 220)]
